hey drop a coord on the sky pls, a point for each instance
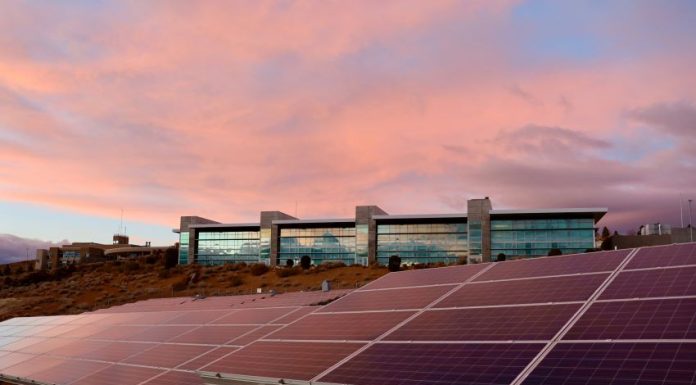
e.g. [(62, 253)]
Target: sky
[(225, 108)]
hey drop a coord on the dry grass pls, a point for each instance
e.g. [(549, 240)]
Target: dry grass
[(101, 285)]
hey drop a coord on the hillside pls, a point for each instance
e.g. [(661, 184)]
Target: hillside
[(89, 287)]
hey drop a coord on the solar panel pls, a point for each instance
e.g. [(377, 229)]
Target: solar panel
[(487, 324), (617, 363), (435, 364), (212, 355), (175, 378), (533, 290), (117, 351), (79, 348), (125, 375), (68, 371), (254, 335), (337, 326), (160, 333), (11, 359), (255, 316), (31, 366), (669, 255), (388, 299), (452, 274), (214, 334), (561, 265), (198, 317), (647, 319), (678, 281), (293, 360), (167, 356)]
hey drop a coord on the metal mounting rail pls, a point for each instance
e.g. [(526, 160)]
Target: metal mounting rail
[(211, 378)]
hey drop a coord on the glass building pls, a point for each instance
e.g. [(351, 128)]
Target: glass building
[(373, 236), (422, 242), (532, 237), (321, 244), (220, 247)]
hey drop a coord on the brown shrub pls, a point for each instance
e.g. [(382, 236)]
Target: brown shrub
[(288, 271), (180, 284), (258, 269), (235, 281)]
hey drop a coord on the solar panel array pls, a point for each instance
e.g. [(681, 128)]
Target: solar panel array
[(160, 341), (618, 317)]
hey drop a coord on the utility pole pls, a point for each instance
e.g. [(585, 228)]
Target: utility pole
[(681, 210)]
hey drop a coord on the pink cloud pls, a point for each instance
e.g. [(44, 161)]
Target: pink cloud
[(223, 109)]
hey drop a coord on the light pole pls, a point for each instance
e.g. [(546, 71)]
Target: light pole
[(691, 226)]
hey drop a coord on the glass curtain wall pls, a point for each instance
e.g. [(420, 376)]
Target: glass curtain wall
[(183, 247), (321, 244), (422, 242), (535, 237), (220, 247)]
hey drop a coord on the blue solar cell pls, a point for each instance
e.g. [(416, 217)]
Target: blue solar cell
[(647, 319), (678, 281), (435, 364), (534, 290), (542, 267), (669, 255), (487, 324), (617, 364)]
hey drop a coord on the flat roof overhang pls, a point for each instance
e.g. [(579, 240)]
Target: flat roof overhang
[(225, 226), (420, 218), (594, 212), (341, 222)]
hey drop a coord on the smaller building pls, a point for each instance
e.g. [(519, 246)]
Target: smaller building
[(665, 235), (87, 252)]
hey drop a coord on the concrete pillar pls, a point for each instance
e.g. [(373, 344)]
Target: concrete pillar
[(479, 222), (270, 236), (41, 259), (366, 232)]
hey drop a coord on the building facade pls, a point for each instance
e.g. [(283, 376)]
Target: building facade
[(480, 235)]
